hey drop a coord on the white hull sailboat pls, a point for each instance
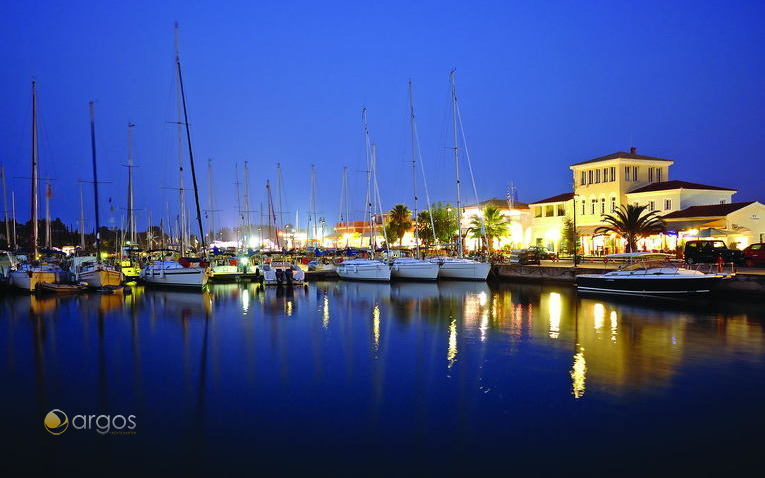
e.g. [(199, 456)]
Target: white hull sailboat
[(408, 268), (364, 269), (461, 268), (173, 274)]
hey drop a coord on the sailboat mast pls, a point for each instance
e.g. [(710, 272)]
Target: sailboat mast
[(48, 194), (191, 153), (247, 223), (238, 204), (95, 178), (280, 192), (456, 161), (5, 208), (130, 204), (33, 237), (367, 201), (210, 200), (179, 123), (314, 214), (13, 210), (82, 220), (414, 167)]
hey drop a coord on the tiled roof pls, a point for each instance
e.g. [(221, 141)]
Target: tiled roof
[(622, 155), (499, 203), (559, 198), (707, 211), (666, 185)]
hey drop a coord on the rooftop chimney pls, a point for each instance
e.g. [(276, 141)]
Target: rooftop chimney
[(633, 150)]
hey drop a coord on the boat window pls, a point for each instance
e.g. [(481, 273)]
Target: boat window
[(652, 264)]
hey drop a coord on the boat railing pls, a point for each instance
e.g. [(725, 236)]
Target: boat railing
[(727, 269)]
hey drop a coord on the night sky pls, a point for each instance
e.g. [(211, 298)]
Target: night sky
[(541, 84)]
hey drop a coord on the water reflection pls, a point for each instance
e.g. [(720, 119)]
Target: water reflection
[(462, 354)]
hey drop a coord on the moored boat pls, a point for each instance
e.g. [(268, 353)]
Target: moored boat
[(282, 273), (461, 268), (653, 277), (363, 269), (99, 275), (61, 288), (175, 274), (28, 277), (409, 268)]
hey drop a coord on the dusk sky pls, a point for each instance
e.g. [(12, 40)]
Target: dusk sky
[(541, 84)]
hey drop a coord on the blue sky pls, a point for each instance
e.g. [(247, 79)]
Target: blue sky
[(541, 84)]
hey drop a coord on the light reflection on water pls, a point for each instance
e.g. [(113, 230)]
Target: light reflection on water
[(465, 356)]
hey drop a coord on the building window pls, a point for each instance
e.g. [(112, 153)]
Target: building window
[(613, 204), (549, 211), (602, 206), (634, 173), (584, 205), (593, 206), (589, 176), (650, 175), (613, 173), (538, 211), (584, 178), (667, 203), (605, 175), (658, 174), (597, 175), (626, 173), (561, 209), (651, 205)]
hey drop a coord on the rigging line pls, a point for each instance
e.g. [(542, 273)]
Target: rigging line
[(470, 168), (377, 195), (424, 180)]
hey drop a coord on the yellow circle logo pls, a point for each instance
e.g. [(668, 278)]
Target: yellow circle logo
[(56, 422)]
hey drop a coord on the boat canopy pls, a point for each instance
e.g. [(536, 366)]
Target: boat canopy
[(638, 255)]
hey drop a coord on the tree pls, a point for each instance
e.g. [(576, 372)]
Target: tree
[(491, 224), (444, 220), (632, 222), (399, 221), (569, 236)]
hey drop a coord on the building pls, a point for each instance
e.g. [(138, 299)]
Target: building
[(602, 185), (516, 214)]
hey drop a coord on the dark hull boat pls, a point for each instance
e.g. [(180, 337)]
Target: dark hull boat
[(648, 284), (650, 276)]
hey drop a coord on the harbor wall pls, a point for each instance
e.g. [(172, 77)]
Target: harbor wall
[(743, 284)]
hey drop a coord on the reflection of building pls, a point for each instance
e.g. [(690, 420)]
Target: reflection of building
[(603, 184)]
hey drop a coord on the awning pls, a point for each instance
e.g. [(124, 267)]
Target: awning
[(677, 226)]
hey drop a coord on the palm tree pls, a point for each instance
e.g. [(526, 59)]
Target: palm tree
[(399, 221), (632, 222), (490, 225)]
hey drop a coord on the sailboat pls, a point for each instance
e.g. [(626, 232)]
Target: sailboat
[(183, 272), (367, 269), (459, 267), (97, 274), (413, 268), (128, 261), (30, 274)]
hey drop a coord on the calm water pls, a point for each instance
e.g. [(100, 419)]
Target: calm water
[(433, 379)]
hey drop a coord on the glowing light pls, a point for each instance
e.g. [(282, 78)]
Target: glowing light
[(289, 308), (451, 352), (578, 374), (244, 261), (482, 299), (600, 315), (554, 305), (614, 325), (245, 300), (325, 312), (376, 327)]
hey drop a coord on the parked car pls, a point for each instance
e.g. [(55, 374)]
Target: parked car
[(754, 255), (708, 251), (526, 256)]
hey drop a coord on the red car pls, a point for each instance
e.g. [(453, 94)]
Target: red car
[(754, 255)]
